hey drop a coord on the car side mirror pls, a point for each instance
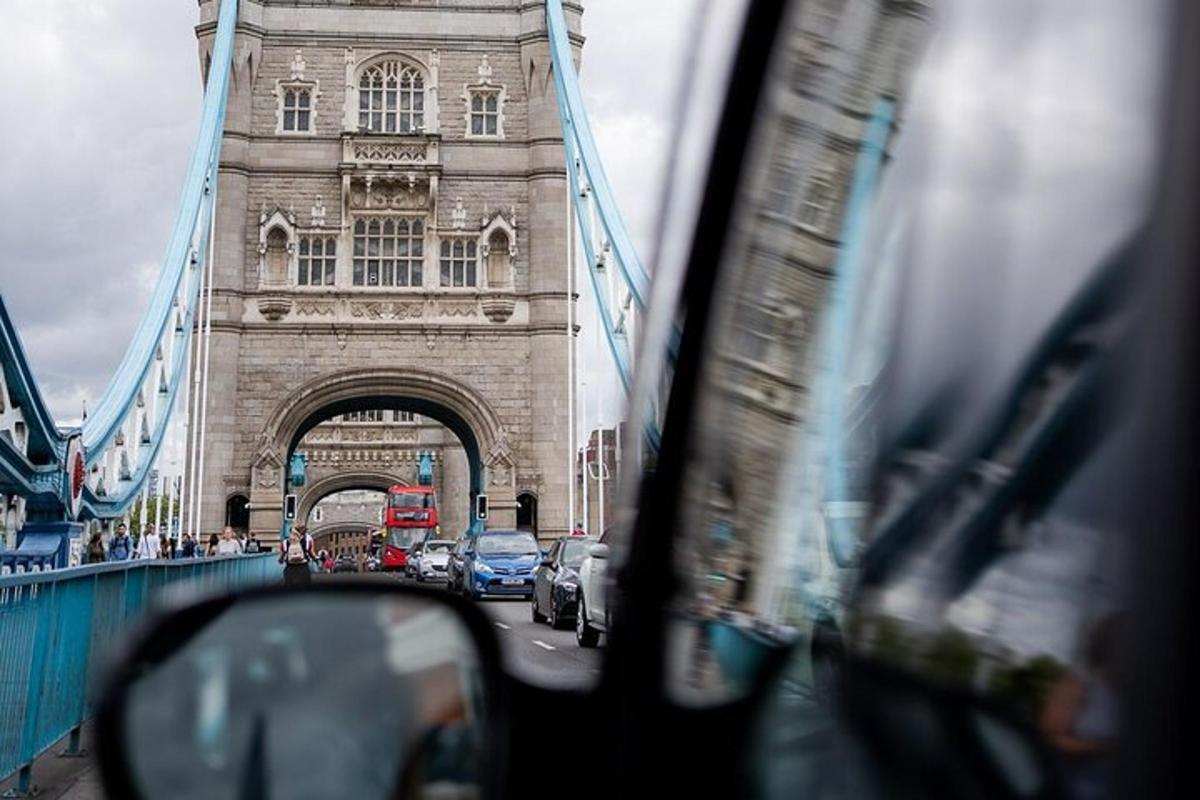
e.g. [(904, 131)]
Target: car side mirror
[(599, 551), (548, 562), (242, 685)]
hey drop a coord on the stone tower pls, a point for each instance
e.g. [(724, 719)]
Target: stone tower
[(391, 233)]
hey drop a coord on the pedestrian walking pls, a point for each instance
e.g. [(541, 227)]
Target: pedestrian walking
[(187, 548), (213, 542), (165, 548), (295, 553), (121, 546), (95, 549), (252, 545), (148, 545), (229, 544)]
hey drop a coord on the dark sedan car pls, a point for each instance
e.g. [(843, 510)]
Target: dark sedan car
[(556, 581), (345, 563)]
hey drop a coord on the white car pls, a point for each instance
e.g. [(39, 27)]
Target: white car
[(591, 618), (431, 563)]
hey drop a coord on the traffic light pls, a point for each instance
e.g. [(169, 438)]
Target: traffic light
[(289, 507), (481, 506)]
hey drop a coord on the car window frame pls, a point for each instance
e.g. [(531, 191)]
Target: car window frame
[(645, 579)]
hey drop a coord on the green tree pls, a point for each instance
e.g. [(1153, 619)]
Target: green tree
[(135, 514)]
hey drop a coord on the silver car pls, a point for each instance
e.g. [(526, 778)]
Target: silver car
[(430, 565)]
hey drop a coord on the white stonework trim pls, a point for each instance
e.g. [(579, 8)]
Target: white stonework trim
[(498, 223), (314, 89), (286, 223), (429, 75), (485, 84)]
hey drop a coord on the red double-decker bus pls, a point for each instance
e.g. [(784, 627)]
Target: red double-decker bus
[(410, 517)]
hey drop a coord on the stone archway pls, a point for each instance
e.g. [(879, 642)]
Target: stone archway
[(458, 406), (341, 482)]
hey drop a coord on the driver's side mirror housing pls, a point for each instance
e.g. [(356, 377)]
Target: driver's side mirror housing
[(598, 551), (547, 562)]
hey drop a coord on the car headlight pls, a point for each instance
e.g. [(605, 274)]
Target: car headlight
[(484, 568)]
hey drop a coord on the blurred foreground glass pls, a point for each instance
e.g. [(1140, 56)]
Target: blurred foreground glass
[(311, 696), (911, 432)]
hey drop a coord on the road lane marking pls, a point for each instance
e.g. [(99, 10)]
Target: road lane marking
[(543, 645), (502, 625)]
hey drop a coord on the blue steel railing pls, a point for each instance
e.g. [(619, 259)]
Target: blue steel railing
[(56, 629)]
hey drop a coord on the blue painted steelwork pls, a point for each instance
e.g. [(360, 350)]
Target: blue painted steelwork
[(584, 164), (56, 628), (39, 473), (298, 471), (185, 254), (121, 395), (425, 469), (36, 473), (848, 274)]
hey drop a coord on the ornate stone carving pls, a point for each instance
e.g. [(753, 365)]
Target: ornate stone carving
[(498, 307), (342, 337), (274, 306), (400, 193), (382, 310), (458, 215), (318, 213), (298, 66), (315, 308), (484, 70), (266, 467), (458, 308), (390, 152), (500, 464)]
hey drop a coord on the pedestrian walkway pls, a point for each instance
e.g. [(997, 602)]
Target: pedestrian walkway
[(65, 778)]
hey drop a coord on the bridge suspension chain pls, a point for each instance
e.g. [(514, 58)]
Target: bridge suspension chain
[(120, 442)]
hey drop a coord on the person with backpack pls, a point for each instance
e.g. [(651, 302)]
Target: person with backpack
[(121, 546), (295, 553)]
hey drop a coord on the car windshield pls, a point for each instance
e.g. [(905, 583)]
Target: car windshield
[(437, 547), (507, 546), (411, 500), (574, 550), (402, 538)]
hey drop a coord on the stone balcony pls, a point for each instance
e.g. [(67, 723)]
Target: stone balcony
[(373, 152)]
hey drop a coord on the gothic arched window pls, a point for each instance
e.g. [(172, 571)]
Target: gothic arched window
[(277, 256), (391, 99), (499, 262)]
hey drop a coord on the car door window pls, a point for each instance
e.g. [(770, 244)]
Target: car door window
[(906, 453)]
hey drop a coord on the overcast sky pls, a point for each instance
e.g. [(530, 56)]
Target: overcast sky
[(101, 100)]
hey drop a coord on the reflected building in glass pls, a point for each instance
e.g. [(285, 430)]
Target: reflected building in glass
[(845, 68)]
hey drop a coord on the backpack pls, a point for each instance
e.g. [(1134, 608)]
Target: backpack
[(295, 551), (120, 548)]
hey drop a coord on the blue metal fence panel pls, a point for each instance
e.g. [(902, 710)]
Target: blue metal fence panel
[(57, 628)]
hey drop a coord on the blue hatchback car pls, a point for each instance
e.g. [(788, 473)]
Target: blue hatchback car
[(500, 563)]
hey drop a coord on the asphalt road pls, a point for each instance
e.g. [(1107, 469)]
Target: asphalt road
[(538, 653)]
